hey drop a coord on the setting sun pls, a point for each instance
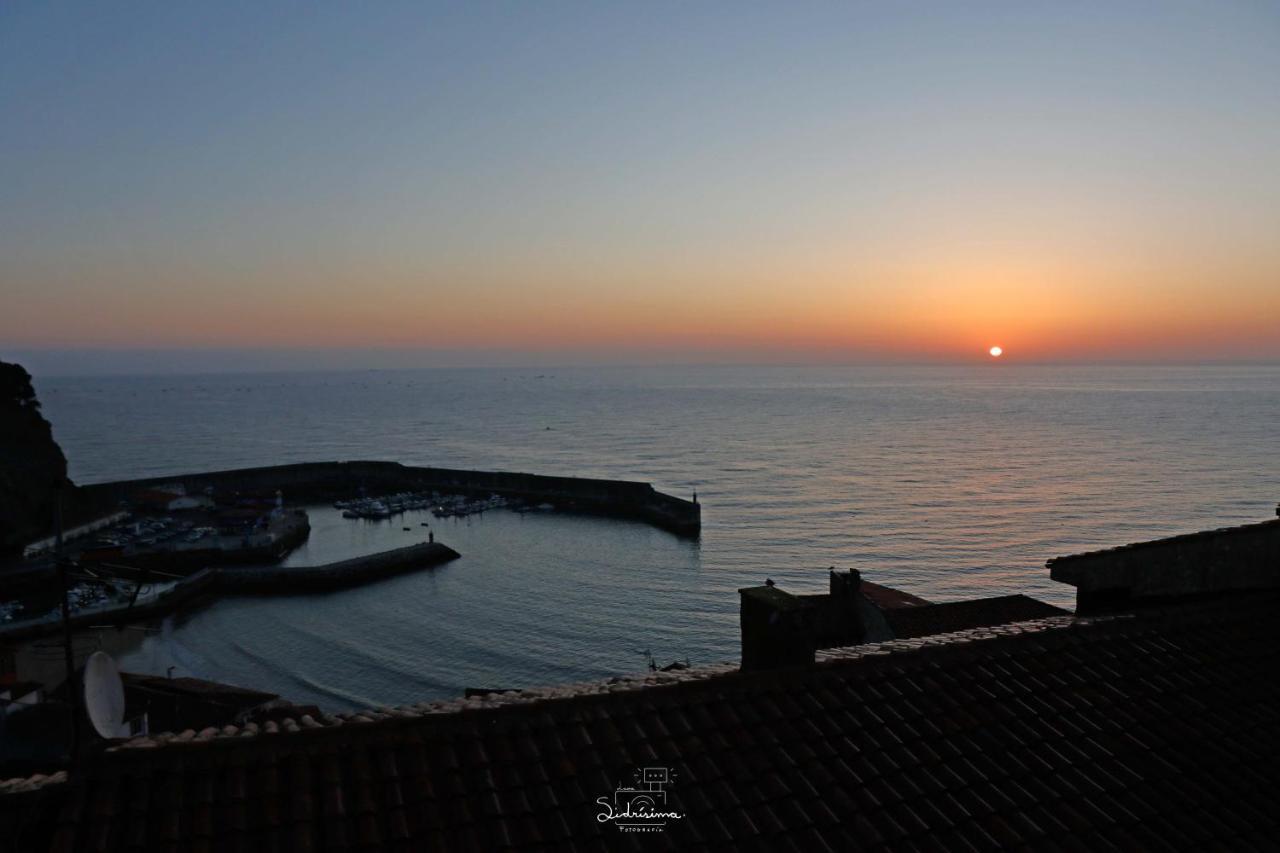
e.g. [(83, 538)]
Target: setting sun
[(996, 352)]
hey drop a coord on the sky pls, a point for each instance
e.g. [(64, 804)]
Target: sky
[(422, 183)]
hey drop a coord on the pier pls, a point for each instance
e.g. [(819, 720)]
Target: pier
[(275, 580)]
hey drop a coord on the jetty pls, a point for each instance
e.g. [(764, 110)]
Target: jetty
[(277, 580)]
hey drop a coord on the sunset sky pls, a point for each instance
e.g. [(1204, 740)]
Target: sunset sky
[(643, 181)]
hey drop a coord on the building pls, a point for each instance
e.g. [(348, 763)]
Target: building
[(779, 628), (176, 703), (1152, 722)]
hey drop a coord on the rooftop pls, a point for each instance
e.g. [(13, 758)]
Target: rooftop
[(925, 620), (1150, 729), (197, 688), (888, 598), (1176, 539), (1209, 562)]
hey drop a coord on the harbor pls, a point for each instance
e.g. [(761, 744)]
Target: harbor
[(140, 559), (190, 524), (309, 643)]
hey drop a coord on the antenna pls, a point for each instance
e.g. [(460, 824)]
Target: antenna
[(103, 695)]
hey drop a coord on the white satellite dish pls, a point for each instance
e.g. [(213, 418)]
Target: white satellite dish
[(103, 694)]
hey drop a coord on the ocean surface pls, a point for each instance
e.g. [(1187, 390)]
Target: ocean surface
[(947, 482)]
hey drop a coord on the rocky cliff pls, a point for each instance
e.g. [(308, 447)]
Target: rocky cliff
[(32, 467)]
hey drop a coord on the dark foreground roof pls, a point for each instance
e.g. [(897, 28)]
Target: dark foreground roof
[(1154, 731), (888, 598), (1198, 536), (198, 688), (1210, 561), (909, 622)]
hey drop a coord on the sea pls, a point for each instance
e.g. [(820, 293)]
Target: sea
[(946, 482)]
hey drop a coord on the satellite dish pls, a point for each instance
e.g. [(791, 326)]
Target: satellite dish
[(103, 695)]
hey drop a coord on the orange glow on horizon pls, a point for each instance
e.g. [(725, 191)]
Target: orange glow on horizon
[(944, 305)]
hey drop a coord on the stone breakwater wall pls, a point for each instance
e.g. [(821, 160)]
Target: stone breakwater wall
[(250, 580), (344, 573), (622, 498)]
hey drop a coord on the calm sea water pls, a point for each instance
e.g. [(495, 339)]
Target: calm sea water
[(949, 483)]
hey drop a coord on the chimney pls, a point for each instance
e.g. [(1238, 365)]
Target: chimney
[(845, 608), (777, 629), (845, 587)]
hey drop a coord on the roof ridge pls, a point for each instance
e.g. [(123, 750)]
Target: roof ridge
[(583, 689), (34, 782), (1176, 537), (538, 695)]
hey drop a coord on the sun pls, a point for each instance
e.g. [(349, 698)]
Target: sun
[(996, 352)]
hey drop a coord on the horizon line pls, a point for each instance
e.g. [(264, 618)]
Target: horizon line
[(66, 371)]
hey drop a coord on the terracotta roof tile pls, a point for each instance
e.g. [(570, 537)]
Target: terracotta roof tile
[(932, 619), (1154, 731)]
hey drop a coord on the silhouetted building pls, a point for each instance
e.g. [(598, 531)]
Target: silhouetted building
[(782, 629)]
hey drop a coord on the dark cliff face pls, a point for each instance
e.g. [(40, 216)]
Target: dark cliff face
[(32, 466)]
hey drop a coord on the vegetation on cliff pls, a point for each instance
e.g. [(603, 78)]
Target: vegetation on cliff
[(32, 467)]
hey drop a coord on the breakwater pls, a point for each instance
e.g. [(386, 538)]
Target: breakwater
[(267, 580), (328, 480), (248, 580)]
